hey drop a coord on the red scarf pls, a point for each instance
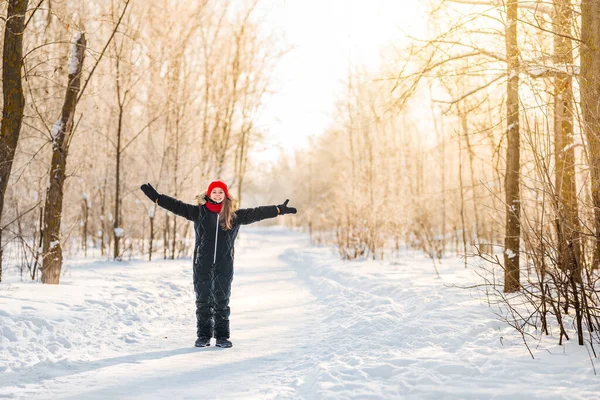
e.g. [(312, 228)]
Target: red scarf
[(216, 208)]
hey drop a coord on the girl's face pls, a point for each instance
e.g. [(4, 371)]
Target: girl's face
[(217, 195)]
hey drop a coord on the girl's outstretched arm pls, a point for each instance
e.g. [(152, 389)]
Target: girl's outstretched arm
[(177, 207), (247, 216)]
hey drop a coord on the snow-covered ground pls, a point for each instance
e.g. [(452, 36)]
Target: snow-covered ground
[(304, 325)]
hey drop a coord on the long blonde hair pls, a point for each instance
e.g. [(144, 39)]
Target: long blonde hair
[(230, 206)]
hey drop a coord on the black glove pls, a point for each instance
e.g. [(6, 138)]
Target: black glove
[(150, 192), (284, 209)]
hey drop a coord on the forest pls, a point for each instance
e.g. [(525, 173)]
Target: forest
[(481, 139)]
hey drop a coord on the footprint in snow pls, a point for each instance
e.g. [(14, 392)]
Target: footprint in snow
[(384, 371)]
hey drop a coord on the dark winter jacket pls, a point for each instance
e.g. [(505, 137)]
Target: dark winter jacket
[(214, 245)]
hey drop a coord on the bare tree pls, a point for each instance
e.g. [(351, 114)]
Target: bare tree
[(14, 100), (513, 163), (590, 98), (62, 133), (567, 224)]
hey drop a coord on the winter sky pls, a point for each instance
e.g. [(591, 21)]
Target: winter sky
[(327, 37)]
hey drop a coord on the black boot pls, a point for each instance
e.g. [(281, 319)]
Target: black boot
[(224, 342), (202, 341)]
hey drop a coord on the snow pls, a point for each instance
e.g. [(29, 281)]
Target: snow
[(74, 62), (570, 146), (119, 232), (53, 244), (56, 129), (568, 69), (305, 325), (538, 70), (510, 253), (87, 199), (511, 126)]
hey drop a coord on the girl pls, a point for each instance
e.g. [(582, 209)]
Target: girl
[(216, 223)]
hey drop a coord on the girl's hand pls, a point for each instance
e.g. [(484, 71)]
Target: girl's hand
[(150, 192), (284, 209)]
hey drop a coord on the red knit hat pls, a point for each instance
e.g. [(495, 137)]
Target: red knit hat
[(217, 184)]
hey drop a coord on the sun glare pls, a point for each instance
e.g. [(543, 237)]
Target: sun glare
[(327, 39)]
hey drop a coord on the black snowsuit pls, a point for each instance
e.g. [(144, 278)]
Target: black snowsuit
[(213, 260)]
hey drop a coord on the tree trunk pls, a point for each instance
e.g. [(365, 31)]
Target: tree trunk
[(166, 236), (14, 100), (569, 249), (116, 221), (174, 239), (511, 179), (103, 222), (590, 103), (61, 132), (84, 233), (39, 246), (465, 132), (241, 157), (176, 184), (117, 230), (151, 213), (478, 226)]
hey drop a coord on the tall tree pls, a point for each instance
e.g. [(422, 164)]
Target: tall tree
[(12, 90), (567, 224), (61, 137), (511, 179), (125, 81), (590, 103), (122, 98)]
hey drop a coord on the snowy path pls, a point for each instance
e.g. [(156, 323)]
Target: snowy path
[(304, 325)]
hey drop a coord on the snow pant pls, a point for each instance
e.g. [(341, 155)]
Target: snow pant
[(212, 284)]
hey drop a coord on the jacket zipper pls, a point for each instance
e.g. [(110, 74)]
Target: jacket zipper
[(216, 238)]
